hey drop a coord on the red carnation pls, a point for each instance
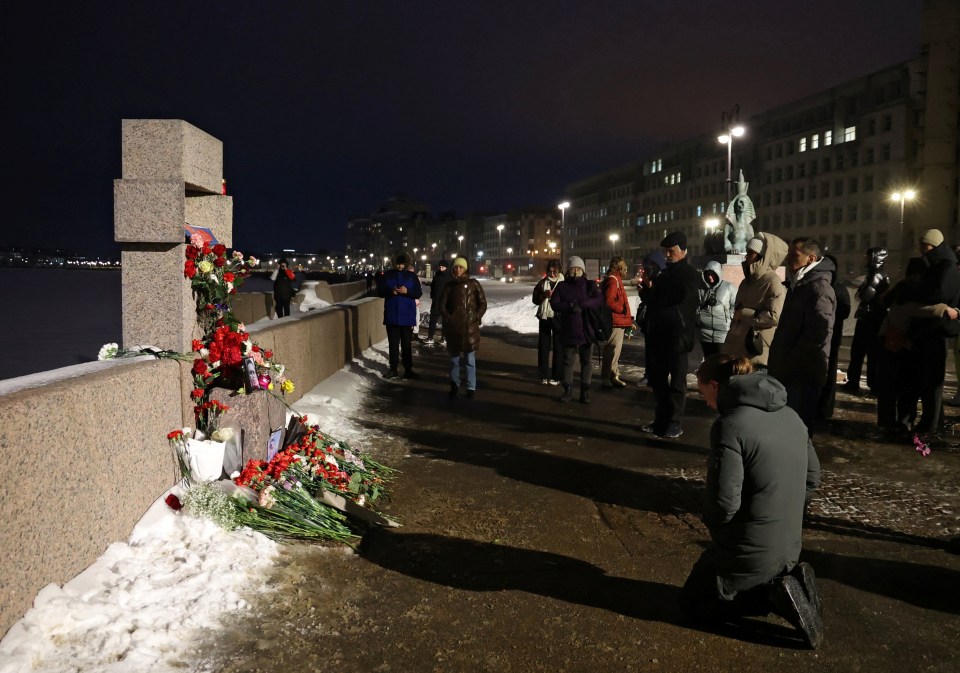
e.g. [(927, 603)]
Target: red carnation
[(196, 345), (205, 250), (268, 354), (196, 393), (219, 262), (175, 434), (173, 502), (199, 367), (189, 269), (192, 252), (219, 249), (228, 277)]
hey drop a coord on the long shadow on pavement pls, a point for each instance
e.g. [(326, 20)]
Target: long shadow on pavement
[(483, 566)]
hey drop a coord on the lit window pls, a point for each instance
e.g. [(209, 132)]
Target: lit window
[(827, 138), (803, 144), (815, 141), (699, 211), (849, 133)]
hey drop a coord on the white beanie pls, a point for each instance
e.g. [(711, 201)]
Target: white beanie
[(574, 262), (756, 245)]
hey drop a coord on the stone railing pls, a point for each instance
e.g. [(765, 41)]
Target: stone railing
[(250, 307), (87, 444)]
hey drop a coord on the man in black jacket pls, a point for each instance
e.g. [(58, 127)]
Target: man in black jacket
[(672, 302), (440, 280), (940, 284)]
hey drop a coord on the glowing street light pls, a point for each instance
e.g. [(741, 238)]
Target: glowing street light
[(563, 212), (459, 242), (903, 197), (730, 129), (613, 243)]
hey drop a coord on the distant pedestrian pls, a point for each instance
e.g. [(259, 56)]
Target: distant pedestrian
[(400, 290), (439, 281), (671, 300), (717, 299), (615, 296), (283, 292), (549, 340), (570, 299), (761, 473), (462, 305)]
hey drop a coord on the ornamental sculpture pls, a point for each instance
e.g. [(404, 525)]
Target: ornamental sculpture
[(740, 213)]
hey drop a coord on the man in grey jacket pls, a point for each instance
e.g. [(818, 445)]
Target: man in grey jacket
[(800, 353)]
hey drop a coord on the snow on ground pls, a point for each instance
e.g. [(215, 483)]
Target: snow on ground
[(144, 603)]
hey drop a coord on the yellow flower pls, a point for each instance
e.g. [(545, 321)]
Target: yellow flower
[(287, 386), (205, 266), (270, 386)]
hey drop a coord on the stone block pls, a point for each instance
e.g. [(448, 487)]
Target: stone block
[(148, 211), (172, 149), (213, 211), (257, 414), (158, 305)]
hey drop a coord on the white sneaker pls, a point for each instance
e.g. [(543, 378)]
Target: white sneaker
[(544, 382), (554, 382)]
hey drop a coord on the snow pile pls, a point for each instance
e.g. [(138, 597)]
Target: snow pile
[(519, 316), (138, 606)]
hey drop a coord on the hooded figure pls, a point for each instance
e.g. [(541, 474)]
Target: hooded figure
[(759, 299), (717, 302), (762, 471)]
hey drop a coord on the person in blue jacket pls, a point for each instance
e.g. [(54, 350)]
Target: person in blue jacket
[(400, 290)]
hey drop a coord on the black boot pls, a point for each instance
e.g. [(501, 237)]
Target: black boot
[(585, 394), (790, 602), (567, 393), (804, 574), (454, 389)]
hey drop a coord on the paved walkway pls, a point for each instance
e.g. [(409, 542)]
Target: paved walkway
[(541, 536)]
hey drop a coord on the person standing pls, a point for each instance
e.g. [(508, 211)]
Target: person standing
[(800, 353), (570, 298), (869, 317), (615, 296), (761, 474), (548, 340), (400, 290), (462, 305), (440, 280), (282, 278), (717, 301), (828, 394), (940, 284), (671, 300), (759, 301)]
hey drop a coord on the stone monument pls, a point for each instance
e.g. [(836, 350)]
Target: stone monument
[(740, 213), (172, 173)]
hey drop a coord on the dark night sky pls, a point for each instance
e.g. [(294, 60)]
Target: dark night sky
[(327, 107)]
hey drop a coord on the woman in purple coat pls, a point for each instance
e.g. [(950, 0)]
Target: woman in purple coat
[(570, 298)]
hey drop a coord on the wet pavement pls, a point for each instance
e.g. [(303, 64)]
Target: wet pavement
[(548, 536)]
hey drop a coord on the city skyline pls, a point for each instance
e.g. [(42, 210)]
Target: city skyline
[(325, 112)]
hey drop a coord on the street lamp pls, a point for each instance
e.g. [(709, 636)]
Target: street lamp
[(730, 129), (902, 197), (460, 242), (500, 244), (613, 243), (563, 230)]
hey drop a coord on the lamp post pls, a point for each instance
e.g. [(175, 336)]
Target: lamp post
[(730, 129), (460, 243), (902, 197), (563, 230), (500, 244), (613, 243)]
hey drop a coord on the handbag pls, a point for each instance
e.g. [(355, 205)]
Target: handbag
[(754, 343)]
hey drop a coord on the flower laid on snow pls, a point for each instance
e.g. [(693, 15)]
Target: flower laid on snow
[(922, 447)]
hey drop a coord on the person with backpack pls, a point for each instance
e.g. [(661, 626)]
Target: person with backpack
[(618, 311), (549, 339), (283, 292), (571, 299)]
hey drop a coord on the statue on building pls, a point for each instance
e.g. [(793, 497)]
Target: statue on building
[(740, 213)]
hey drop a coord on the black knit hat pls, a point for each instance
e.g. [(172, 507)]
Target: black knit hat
[(677, 238), (442, 263), (401, 260)]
